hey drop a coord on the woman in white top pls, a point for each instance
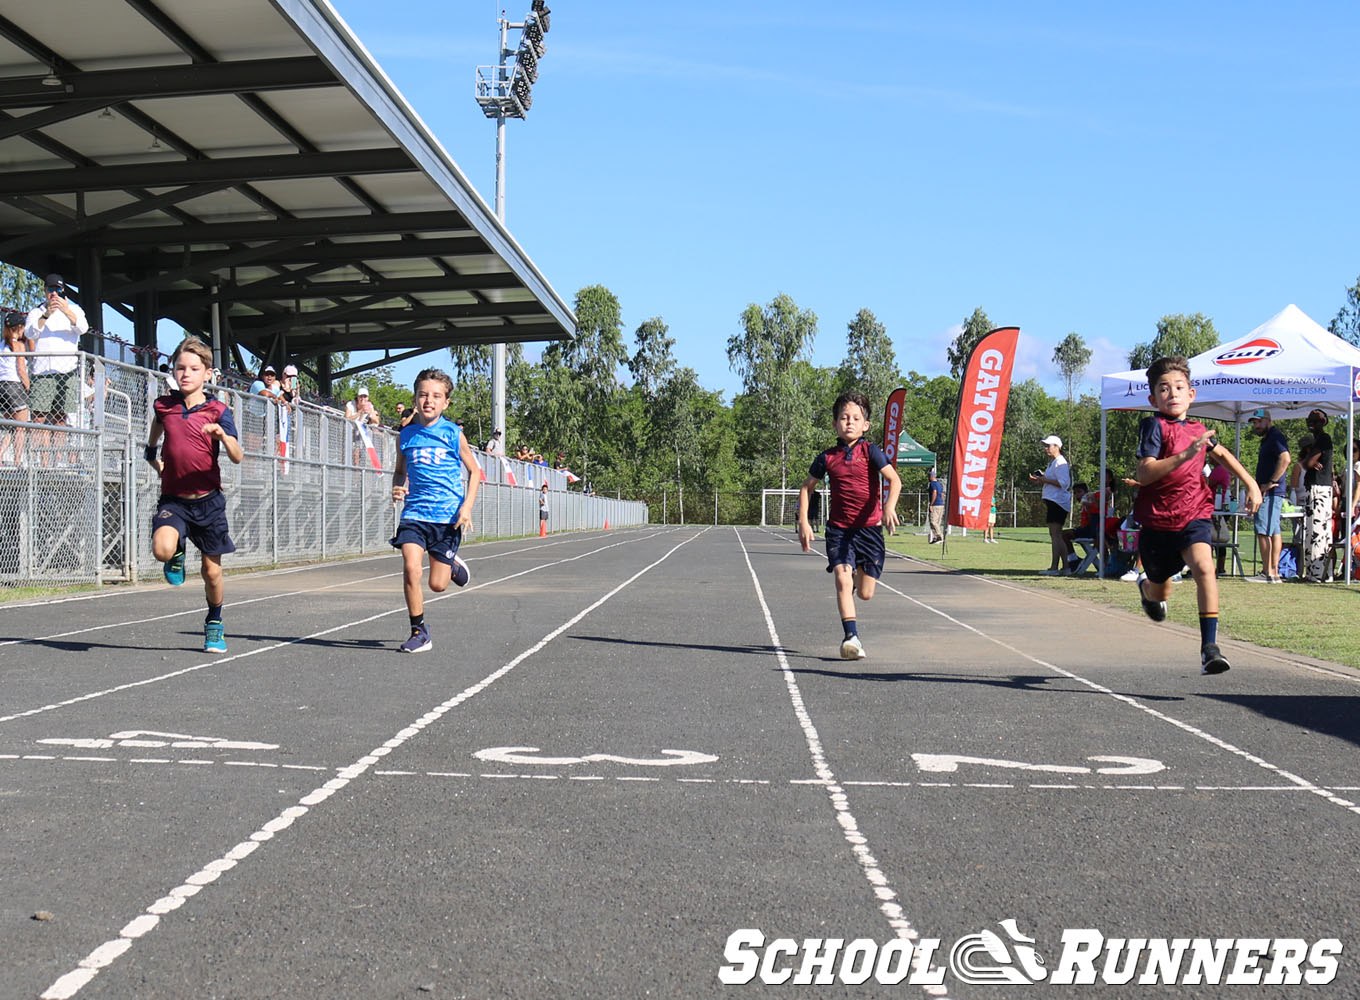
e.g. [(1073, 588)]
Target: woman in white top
[(1057, 494), (14, 382)]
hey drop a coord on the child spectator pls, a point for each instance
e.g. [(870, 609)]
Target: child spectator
[(854, 538), (1174, 505), (14, 382), (195, 429), (434, 452)]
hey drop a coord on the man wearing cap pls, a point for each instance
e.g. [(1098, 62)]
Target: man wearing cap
[(1057, 494), (496, 446), (935, 510), (1271, 465), (54, 328), (1315, 559)]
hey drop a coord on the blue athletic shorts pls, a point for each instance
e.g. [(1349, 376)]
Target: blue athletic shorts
[(858, 548), (1161, 551), (1268, 515), (203, 520), (441, 541)]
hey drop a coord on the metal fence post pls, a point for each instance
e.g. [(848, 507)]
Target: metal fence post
[(325, 479), (274, 510)]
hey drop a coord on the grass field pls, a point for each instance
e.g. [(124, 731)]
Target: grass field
[(1315, 620)]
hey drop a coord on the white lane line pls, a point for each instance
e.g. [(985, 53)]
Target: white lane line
[(1303, 783), (69, 984), (220, 660), (249, 600), (859, 844)]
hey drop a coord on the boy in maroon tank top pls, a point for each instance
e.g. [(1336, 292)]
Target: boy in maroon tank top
[(1174, 504)]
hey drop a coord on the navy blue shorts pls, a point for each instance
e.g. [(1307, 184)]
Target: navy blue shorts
[(441, 541), (858, 548), (1162, 551), (203, 520)]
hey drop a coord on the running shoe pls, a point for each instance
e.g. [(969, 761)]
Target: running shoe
[(1156, 610), (852, 649), (419, 641), (214, 636), (1052, 572), (1211, 659), (1259, 578), (461, 574), (174, 569), (1130, 577)]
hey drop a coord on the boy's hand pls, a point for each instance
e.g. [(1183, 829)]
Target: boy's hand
[(215, 431), (1206, 438), (464, 521), (805, 535), (890, 521), (399, 493), (1253, 501)]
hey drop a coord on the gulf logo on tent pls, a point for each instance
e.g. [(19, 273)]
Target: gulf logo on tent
[(1253, 350)]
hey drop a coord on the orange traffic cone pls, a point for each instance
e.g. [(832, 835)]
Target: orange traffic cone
[(542, 529), (606, 524)]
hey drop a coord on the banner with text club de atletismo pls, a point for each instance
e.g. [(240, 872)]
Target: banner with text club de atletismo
[(983, 394)]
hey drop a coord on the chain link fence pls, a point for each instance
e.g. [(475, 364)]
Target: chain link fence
[(76, 498)]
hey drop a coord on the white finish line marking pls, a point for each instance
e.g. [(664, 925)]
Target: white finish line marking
[(859, 844), (71, 983)]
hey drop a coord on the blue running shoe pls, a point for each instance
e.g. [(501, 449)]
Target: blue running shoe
[(419, 641), (214, 637), (461, 574), (174, 569)]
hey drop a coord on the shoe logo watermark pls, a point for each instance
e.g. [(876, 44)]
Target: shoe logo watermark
[(1012, 958)]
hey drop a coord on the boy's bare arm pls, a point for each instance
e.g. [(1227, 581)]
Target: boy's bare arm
[(804, 526), (1152, 469), (1229, 461), (399, 489), (233, 448), (894, 491), (474, 482)]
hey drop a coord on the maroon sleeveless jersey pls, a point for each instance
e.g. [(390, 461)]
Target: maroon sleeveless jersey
[(1183, 494)]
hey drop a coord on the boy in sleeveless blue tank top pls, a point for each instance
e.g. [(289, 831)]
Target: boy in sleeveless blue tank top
[(428, 477), (1174, 504)]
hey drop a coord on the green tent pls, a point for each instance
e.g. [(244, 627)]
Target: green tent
[(912, 452)]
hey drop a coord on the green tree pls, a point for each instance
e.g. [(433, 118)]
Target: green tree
[(591, 359), (870, 364), (1177, 334), (763, 354), (975, 327), (676, 426), (20, 289), (471, 398), (1071, 356), (1346, 325), (653, 361)]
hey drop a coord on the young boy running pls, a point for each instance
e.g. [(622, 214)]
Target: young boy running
[(854, 538), (433, 453), (1174, 504), (195, 429)]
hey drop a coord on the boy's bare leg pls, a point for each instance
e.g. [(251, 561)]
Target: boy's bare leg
[(440, 574), (411, 557), (212, 578), (1200, 558), (845, 591), (164, 543), (864, 585)]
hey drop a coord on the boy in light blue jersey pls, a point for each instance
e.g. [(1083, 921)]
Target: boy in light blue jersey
[(433, 455)]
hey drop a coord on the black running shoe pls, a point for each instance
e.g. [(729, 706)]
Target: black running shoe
[(1156, 610), (1211, 659)]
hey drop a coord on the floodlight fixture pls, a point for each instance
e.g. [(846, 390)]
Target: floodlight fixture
[(528, 62), (541, 13), (533, 34)]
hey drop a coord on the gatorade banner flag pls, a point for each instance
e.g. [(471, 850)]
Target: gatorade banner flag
[(362, 427), (983, 394), (892, 433)]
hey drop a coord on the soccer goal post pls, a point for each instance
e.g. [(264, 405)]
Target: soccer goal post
[(779, 508)]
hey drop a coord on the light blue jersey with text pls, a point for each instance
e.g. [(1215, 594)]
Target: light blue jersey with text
[(434, 471)]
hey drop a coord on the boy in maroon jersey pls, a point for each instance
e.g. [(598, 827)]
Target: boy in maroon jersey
[(195, 429), (854, 528), (1174, 503)]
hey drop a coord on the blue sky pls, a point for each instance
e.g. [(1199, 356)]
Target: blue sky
[(1067, 167)]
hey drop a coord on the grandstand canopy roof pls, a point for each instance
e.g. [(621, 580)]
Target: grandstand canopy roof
[(153, 150)]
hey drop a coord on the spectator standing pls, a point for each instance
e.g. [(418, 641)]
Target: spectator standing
[(1271, 465), (495, 446), (1220, 482), (1317, 510), (543, 510), (14, 382), (55, 328), (1057, 496), (989, 535), (935, 510)]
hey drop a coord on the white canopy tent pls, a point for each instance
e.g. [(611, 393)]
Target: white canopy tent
[(1288, 364)]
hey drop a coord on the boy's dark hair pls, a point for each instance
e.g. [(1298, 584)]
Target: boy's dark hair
[(1083, 487), (1162, 366), (434, 375), (858, 398), (192, 345)]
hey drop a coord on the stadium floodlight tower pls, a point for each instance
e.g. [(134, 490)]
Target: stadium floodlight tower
[(505, 91)]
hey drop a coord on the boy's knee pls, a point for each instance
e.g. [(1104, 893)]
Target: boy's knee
[(439, 586)]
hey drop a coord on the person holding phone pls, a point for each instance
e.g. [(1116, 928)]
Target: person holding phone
[(54, 329), (1057, 494)]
